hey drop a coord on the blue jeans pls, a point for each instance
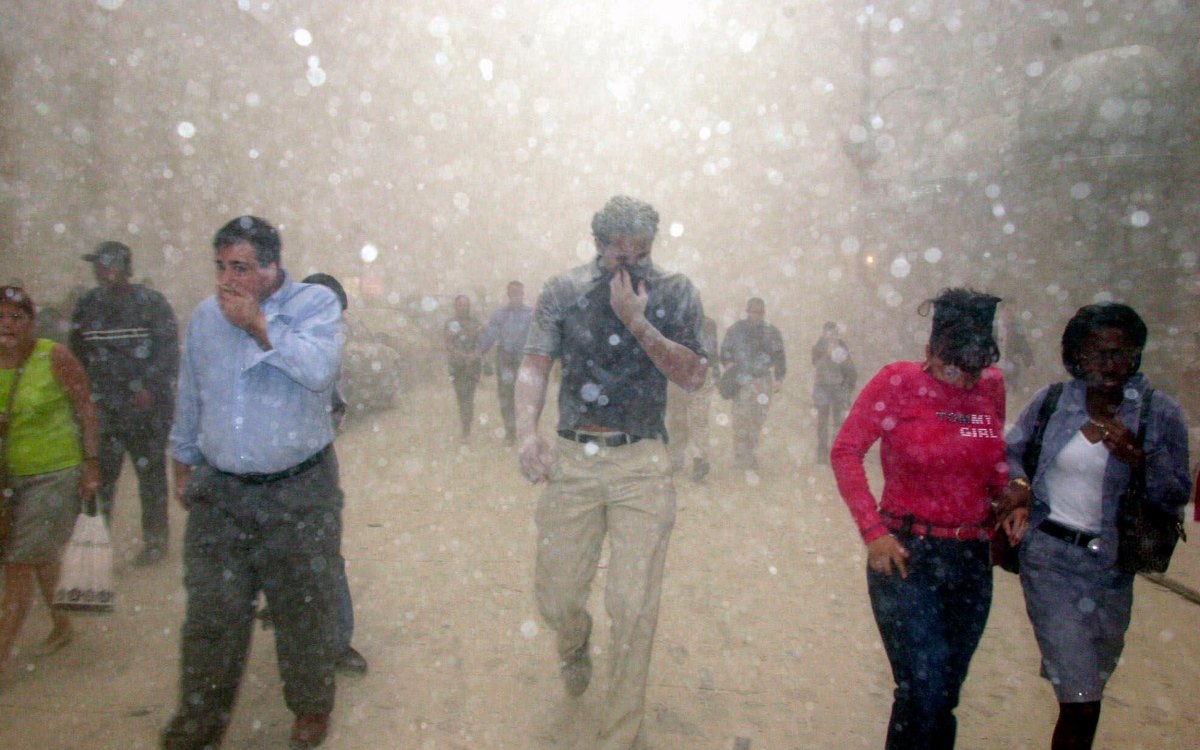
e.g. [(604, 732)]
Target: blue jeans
[(931, 623)]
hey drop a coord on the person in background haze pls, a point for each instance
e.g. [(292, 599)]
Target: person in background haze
[(507, 329), (688, 412), (1016, 356), (753, 349), (349, 659), (834, 378), (126, 336), (459, 336)]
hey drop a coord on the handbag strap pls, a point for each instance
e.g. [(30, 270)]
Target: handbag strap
[(1137, 475), (1033, 449)]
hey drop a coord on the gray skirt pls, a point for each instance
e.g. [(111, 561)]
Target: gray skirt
[(44, 511), (1080, 611)]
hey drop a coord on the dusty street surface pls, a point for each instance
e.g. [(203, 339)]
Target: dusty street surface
[(765, 633)]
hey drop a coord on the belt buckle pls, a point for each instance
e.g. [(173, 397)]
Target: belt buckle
[(958, 530)]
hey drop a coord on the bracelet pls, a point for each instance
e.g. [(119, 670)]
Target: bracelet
[(1021, 482)]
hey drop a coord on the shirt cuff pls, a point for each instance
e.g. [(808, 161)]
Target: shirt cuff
[(873, 532), (190, 456)]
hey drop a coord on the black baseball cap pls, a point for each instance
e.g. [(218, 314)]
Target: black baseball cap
[(112, 254)]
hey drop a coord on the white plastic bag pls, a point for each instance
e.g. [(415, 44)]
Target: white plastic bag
[(86, 581)]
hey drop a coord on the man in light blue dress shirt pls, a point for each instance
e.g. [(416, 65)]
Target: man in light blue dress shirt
[(255, 468), (507, 329)]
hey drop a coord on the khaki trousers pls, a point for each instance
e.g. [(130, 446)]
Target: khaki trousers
[(749, 415), (627, 493)]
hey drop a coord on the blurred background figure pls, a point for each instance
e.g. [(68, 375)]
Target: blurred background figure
[(1016, 356), (753, 348), (349, 659), (687, 413), (507, 329), (54, 318), (1078, 598), (834, 378), (1189, 398), (126, 336), (929, 575), (460, 336), (50, 438)]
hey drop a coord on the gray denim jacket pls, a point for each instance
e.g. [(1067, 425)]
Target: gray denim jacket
[(1166, 444)]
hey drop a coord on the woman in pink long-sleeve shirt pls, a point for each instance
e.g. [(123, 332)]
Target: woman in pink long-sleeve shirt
[(940, 423)]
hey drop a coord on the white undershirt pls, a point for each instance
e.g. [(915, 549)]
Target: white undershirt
[(1074, 484)]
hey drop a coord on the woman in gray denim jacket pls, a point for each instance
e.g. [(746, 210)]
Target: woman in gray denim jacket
[(1078, 599)]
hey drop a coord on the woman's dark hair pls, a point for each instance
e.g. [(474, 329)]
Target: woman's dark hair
[(1091, 318), (326, 280), (967, 347), (962, 328), (15, 295)]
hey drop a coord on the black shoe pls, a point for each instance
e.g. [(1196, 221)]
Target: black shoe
[(700, 469), (191, 734), (576, 670), (351, 662), (151, 554)]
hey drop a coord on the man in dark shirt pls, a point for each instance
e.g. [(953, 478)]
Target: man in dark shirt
[(126, 337), (753, 351), (460, 335), (622, 328)]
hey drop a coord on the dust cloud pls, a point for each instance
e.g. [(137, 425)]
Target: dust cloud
[(842, 161)]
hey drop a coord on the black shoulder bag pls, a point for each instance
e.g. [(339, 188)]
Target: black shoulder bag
[(1005, 554), (1146, 534)]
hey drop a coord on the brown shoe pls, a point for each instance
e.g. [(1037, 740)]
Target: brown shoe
[(308, 731)]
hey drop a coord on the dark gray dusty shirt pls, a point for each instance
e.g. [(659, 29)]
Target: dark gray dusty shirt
[(607, 378)]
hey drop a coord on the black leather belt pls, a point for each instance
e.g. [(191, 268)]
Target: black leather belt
[(1068, 535), (609, 439), (287, 473)]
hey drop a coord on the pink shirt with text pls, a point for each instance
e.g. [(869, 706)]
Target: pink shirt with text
[(941, 449)]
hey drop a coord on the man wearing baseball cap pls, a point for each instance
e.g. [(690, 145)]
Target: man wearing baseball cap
[(126, 336)]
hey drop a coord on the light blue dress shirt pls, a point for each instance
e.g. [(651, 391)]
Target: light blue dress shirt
[(243, 410), (508, 327)]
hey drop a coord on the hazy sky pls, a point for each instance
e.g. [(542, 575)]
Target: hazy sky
[(787, 145)]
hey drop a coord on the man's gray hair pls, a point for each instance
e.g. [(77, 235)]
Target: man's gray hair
[(623, 216)]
